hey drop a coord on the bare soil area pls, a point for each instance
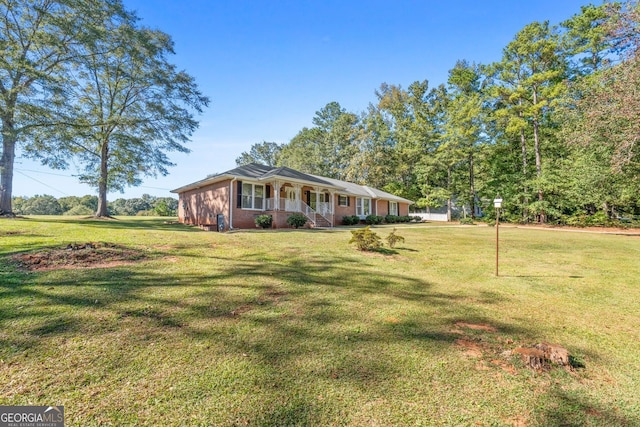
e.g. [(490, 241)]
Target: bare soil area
[(86, 255)]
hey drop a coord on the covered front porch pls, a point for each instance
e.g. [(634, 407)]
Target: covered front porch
[(315, 202)]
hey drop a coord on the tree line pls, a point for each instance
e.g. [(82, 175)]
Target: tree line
[(86, 205), (553, 127), (83, 82)]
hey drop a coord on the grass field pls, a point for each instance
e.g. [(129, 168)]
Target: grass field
[(277, 328)]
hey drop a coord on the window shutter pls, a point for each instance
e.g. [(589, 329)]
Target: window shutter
[(348, 201), (268, 191), (307, 195), (389, 207), (239, 194)]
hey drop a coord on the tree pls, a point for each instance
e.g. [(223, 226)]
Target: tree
[(126, 109), (41, 205), (412, 122), (586, 38), (603, 120), (463, 124), (327, 148), (532, 70), (165, 206), (265, 153), (39, 40)]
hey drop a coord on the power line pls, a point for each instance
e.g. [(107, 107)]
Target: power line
[(40, 182), (73, 176), (46, 173)]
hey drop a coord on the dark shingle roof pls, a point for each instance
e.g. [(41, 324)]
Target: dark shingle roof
[(263, 172)]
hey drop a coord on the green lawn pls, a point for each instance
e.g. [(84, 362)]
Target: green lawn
[(275, 328)]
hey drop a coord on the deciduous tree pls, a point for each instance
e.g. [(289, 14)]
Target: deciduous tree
[(126, 110)]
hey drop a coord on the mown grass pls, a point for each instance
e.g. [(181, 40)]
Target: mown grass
[(269, 328)]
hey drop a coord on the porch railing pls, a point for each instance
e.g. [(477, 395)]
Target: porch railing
[(323, 208)]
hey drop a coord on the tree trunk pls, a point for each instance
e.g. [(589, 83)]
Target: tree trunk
[(536, 140), (525, 188), (449, 203), (9, 139), (472, 186), (102, 182)]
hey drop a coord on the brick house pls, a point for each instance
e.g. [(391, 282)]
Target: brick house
[(233, 199)]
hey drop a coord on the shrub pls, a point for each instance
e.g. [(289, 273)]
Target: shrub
[(350, 220), (391, 219), (467, 221), (373, 219), (393, 238), (79, 210), (297, 220), (264, 221), (405, 218), (365, 239)]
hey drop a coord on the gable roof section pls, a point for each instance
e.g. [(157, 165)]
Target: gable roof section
[(365, 191), (261, 173)]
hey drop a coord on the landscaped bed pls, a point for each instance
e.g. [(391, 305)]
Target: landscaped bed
[(300, 328)]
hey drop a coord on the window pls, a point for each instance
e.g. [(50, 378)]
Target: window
[(363, 206), (252, 196), (343, 200), (393, 208)]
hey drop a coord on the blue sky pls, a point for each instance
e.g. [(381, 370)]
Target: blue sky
[(268, 66)]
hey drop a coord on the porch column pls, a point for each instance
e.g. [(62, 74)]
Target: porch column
[(317, 198), (298, 189), (332, 203), (276, 195)]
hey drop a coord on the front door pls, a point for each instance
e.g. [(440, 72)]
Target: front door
[(291, 204)]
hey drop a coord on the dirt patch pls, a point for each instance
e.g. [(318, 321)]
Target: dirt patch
[(73, 256), (476, 326), (470, 348)]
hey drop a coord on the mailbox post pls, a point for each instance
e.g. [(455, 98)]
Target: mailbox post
[(497, 203)]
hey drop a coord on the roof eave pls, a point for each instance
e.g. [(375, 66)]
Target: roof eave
[(203, 183)]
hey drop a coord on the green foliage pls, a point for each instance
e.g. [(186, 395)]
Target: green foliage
[(365, 239), (42, 44), (467, 221), (393, 239), (265, 153), (374, 219), (78, 210), (165, 206), (350, 220), (297, 220), (391, 219), (150, 106), (264, 221), (39, 205), (86, 205)]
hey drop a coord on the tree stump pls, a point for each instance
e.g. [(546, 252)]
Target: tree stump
[(532, 357), (554, 353)]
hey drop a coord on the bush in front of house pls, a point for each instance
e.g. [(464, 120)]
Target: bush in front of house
[(297, 220), (350, 220), (391, 219), (365, 239), (264, 221), (374, 219)]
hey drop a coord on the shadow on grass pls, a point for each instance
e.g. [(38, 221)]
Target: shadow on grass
[(122, 223), (288, 315), (569, 408), (534, 276)]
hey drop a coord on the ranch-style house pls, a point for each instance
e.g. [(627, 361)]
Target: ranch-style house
[(233, 199)]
